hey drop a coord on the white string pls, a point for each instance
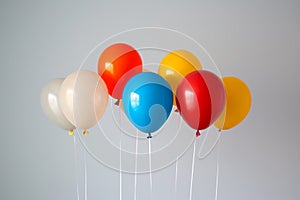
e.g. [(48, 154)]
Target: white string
[(217, 172), (176, 176), (120, 158), (120, 169), (136, 157), (150, 168), (176, 165), (85, 177), (193, 167), (210, 150), (76, 165)]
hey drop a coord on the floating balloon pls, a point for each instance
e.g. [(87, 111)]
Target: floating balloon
[(83, 98), (238, 103), (116, 65), (147, 101), (176, 65), (50, 105), (200, 99)]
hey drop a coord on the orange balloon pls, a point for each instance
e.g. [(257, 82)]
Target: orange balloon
[(238, 103), (176, 65), (116, 65)]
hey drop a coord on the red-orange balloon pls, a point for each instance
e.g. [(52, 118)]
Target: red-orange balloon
[(116, 65)]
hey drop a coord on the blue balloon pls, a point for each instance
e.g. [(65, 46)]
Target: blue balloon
[(147, 100)]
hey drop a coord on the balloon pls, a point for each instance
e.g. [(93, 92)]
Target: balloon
[(50, 105), (116, 65), (176, 65), (238, 103), (200, 99), (147, 101), (83, 98)]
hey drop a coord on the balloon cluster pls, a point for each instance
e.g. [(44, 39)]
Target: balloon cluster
[(201, 97)]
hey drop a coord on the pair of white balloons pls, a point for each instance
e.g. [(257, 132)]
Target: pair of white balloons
[(78, 101)]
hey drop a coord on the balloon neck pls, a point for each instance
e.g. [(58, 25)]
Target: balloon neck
[(198, 133), (85, 132), (117, 103), (220, 130), (149, 136), (71, 132)]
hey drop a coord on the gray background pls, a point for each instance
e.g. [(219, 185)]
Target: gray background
[(257, 41)]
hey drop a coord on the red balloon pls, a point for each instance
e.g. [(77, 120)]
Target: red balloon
[(116, 65), (200, 99)]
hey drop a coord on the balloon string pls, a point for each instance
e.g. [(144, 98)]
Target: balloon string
[(85, 177), (176, 177), (136, 157), (193, 167), (176, 164), (210, 150), (120, 156), (150, 169), (120, 169), (217, 172), (76, 166)]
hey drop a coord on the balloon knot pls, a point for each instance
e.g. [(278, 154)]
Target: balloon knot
[(176, 110), (71, 132), (117, 103), (198, 133), (220, 130), (85, 132), (149, 136)]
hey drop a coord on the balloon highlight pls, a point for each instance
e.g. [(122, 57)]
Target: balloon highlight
[(116, 65), (200, 99), (147, 101)]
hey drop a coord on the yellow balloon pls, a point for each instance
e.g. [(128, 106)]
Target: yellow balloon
[(176, 65), (238, 103)]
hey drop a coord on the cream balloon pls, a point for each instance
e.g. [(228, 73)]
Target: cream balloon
[(83, 98), (50, 104)]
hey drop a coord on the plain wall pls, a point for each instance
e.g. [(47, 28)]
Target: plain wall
[(257, 41)]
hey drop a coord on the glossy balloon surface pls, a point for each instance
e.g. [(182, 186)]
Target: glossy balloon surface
[(83, 98), (238, 103), (200, 99), (116, 65), (50, 104), (176, 65), (147, 101)]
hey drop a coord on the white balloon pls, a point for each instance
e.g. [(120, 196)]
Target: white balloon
[(50, 104), (83, 98)]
